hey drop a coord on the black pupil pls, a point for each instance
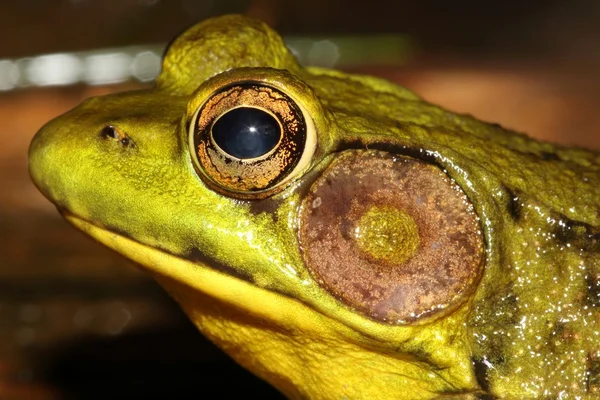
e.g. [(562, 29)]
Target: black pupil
[(246, 132)]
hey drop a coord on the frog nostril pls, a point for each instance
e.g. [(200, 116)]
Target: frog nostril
[(109, 132), (113, 133)]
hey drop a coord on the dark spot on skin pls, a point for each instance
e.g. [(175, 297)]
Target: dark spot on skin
[(481, 373), (116, 230), (513, 206), (562, 333), (270, 205), (187, 125), (486, 397), (544, 155), (196, 255), (592, 376), (508, 308), (579, 235), (419, 355), (592, 282), (548, 156), (503, 311), (559, 328)]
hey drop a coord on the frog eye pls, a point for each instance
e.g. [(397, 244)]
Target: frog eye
[(391, 236), (250, 138)]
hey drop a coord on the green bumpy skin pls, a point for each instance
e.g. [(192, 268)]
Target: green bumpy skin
[(530, 328)]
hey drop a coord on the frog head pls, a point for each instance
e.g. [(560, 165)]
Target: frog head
[(334, 233)]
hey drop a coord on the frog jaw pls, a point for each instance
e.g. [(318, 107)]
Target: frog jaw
[(278, 338), (201, 277)]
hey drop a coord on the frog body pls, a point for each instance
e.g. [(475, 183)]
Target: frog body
[(367, 245)]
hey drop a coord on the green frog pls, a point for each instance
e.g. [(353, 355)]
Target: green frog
[(335, 234)]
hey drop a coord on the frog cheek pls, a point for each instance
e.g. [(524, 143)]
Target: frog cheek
[(392, 237)]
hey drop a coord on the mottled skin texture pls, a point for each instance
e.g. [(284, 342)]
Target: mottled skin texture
[(531, 329)]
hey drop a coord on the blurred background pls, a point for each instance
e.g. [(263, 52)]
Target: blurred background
[(77, 321)]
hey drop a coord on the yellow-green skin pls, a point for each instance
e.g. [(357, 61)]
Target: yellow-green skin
[(530, 330)]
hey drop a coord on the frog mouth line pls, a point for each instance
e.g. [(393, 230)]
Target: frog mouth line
[(200, 276)]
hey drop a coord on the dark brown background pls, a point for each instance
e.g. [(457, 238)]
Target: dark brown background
[(77, 321)]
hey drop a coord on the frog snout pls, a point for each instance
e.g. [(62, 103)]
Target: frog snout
[(41, 163), (55, 161)]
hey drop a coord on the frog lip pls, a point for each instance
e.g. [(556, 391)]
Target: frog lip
[(194, 256), (170, 269), (71, 217), (121, 242)]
